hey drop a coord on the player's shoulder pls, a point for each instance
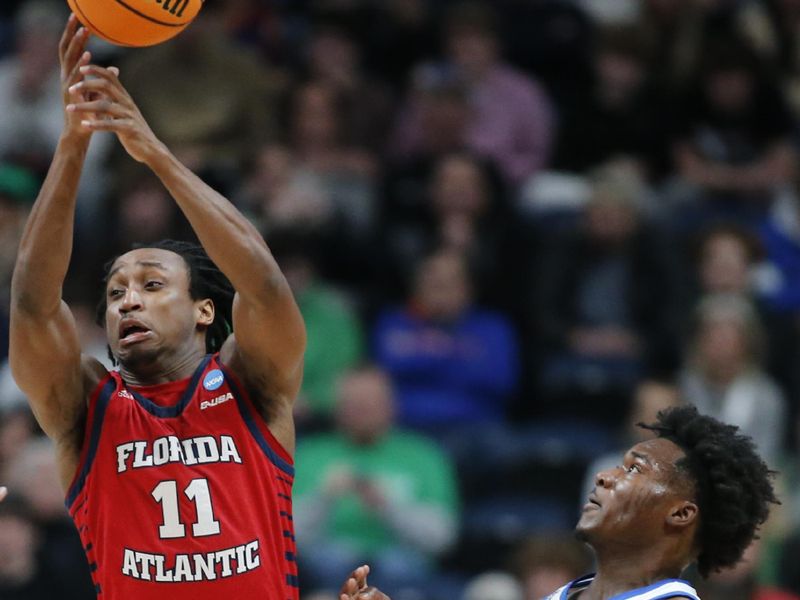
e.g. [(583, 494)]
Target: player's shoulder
[(93, 371)]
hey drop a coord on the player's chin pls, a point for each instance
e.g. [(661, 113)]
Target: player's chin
[(586, 525), (137, 354)]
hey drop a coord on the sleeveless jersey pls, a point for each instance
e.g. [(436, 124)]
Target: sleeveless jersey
[(186, 498), (667, 588)]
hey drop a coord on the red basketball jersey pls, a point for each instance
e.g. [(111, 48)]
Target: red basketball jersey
[(182, 493)]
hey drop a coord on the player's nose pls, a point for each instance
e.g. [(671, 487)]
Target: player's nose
[(604, 479), (131, 301)]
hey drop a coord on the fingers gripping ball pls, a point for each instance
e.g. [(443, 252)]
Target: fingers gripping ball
[(135, 22)]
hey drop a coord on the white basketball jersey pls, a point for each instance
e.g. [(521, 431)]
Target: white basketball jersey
[(667, 588)]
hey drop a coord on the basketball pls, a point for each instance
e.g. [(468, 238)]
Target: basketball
[(135, 22)]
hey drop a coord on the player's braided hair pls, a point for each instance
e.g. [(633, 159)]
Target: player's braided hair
[(205, 281), (733, 484)]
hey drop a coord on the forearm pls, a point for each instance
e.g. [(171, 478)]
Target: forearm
[(46, 245), (231, 241)]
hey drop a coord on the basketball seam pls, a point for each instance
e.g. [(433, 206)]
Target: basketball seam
[(149, 18), (95, 27)]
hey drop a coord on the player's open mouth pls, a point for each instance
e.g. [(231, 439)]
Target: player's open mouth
[(591, 503), (131, 332)]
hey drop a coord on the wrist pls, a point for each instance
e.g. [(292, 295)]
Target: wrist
[(73, 140), (158, 157)]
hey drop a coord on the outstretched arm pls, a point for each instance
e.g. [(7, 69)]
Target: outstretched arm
[(45, 353), (270, 336)]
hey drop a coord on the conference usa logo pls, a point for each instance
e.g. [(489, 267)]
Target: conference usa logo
[(213, 380)]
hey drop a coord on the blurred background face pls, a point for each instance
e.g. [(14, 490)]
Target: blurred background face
[(650, 398), (610, 221), (472, 51), (272, 171), (17, 548), (147, 211), (459, 187), (315, 120), (620, 76), (365, 409), (730, 91), (333, 57), (725, 265), (35, 476), (16, 430), (37, 40), (722, 344), (442, 289), (444, 117)]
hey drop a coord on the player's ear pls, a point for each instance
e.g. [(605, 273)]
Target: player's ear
[(205, 312), (683, 514)]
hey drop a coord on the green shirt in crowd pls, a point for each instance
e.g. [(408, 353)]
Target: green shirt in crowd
[(334, 345), (412, 471)]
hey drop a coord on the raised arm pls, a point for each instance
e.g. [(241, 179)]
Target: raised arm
[(269, 340), (45, 352)]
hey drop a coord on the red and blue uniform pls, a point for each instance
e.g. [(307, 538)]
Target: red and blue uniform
[(182, 493)]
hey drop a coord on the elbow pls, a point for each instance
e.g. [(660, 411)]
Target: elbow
[(24, 300)]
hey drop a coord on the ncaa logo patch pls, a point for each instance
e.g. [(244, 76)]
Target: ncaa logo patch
[(213, 380)]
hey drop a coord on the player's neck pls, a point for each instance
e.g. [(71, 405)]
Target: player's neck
[(162, 369), (623, 573)]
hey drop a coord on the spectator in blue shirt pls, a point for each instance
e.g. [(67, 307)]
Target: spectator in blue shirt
[(450, 362)]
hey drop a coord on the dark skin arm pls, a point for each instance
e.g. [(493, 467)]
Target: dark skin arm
[(356, 588), (267, 349), (45, 353)]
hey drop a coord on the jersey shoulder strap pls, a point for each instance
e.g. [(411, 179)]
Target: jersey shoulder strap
[(563, 592), (661, 590)]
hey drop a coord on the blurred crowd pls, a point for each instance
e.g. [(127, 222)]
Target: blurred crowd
[(515, 228)]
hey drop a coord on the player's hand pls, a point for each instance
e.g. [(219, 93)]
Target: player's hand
[(72, 55), (3, 493), (356, 588), (115, 111)]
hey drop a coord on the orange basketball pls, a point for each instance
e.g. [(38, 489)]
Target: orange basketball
[(135, 22)]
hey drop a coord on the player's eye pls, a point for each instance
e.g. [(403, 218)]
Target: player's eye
[(152, 284), (115, 293), (634, 468)]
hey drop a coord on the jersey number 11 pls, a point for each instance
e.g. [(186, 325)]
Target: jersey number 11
[(166, 493)]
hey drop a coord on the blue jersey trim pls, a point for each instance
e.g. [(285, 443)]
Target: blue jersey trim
[(99, 415), (577, 583), (649, 588), (249, 420), (166, 412), (586, 580)]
